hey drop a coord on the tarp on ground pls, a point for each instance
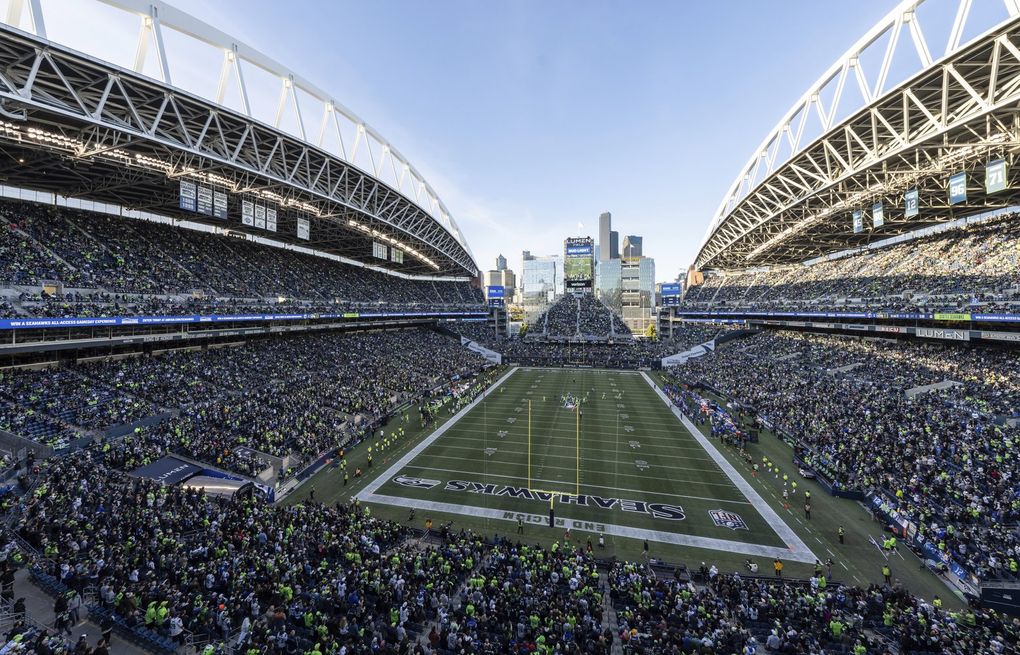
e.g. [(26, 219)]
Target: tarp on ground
[(168, 470)]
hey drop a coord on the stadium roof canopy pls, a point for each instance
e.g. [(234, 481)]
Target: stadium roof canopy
[(856, 141), (127, 133)]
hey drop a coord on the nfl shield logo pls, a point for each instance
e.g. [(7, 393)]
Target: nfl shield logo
[(725, 519)]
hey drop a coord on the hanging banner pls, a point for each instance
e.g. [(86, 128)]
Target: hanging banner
[(186, 197), (205, 200), (220, 205), (877, 215), (995, 176), (248, 212), (958, 188), (910, 206)]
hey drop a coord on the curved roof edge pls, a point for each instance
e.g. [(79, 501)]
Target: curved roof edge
[(369, 152)]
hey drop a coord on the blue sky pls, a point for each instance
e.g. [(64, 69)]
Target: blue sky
[(530, 117)]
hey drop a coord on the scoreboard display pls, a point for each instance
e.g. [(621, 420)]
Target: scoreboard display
[(579, 263), (670, 294), (496, 296)]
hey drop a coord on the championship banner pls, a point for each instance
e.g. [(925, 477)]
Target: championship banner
[(248, 212), (220, 205), (302, 229), (271, 219), (260, 217), (186, 196), (205, 200)]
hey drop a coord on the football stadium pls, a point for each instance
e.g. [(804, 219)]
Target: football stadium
[(258, 395)]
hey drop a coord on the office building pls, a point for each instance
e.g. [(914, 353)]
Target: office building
[(605, 236), (631, 246), (500, 278), (541, 282), (500, 263), (637, 295), (609, 283)]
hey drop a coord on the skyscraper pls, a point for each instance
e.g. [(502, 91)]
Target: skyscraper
[(631, 246), (605, 236), (614, 244), (500, 263)]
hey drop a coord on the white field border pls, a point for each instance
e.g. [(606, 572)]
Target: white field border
[(796, 549), (799, 551)]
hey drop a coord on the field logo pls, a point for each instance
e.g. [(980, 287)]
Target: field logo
[(415, 483), (725, 519)]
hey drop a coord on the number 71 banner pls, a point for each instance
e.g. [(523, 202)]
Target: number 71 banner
[(995, 176)]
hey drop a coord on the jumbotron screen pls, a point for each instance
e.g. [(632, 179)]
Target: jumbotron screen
[(578, 262)]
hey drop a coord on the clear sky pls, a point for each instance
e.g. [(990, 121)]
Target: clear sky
[(529, 117)]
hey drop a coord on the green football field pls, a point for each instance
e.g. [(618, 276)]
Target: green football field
[(603, 449)]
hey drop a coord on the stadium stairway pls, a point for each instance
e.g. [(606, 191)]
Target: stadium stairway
[(39, 606), (609, 615)]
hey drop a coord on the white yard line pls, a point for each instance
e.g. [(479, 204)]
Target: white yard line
[(639, 475), (637, 452), (583, 485), (604, 426)]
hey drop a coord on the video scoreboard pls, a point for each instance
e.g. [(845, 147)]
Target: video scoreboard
[(670, 294), (579, 264)]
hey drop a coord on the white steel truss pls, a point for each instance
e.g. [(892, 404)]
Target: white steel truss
[(793, 198), (312, 158)]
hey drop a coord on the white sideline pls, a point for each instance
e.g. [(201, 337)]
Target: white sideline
[(370, 488), (799, 551)]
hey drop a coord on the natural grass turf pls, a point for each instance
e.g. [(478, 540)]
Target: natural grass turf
[(631, 447)]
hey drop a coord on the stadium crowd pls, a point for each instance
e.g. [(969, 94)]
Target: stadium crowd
[(578, 317), (480, 332), (627, 354), (303, 395), (331, 579), (970, 268), (658, 614), (103, 265), (938, 456)]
